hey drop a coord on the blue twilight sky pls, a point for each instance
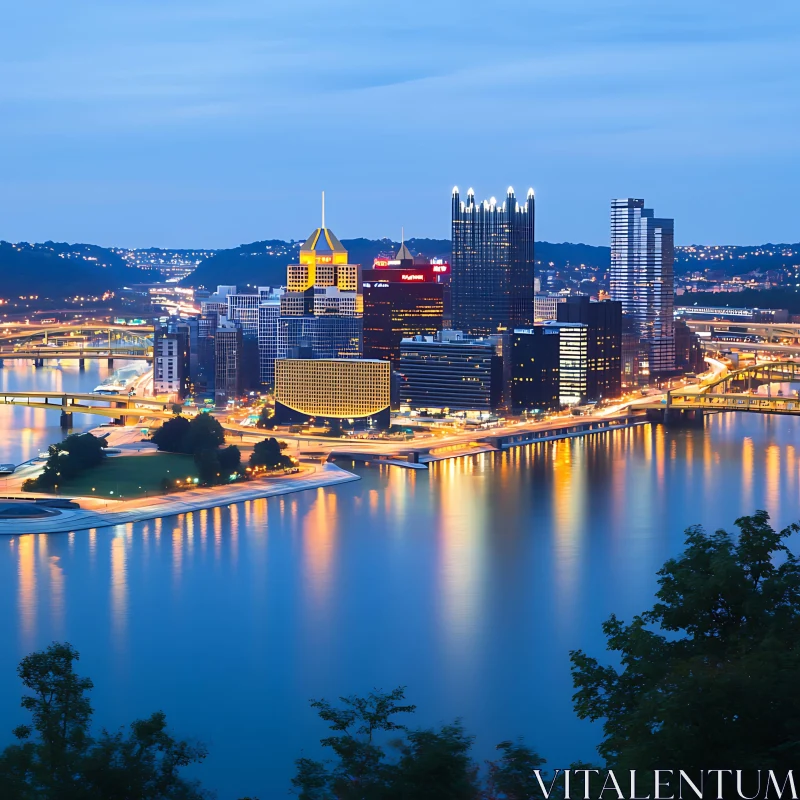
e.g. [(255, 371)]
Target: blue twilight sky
[(209, 123)]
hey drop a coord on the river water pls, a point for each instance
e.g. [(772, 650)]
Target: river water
[(468, 583)]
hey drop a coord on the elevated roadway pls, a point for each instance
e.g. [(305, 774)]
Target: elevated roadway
[(126, 408), (127, 352), (770, 332)]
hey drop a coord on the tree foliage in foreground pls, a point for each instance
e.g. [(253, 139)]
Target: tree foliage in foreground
[(709, 675), (66, 460), (56, 757), (377, 757)]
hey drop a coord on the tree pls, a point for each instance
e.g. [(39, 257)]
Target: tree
[(204, 432), (424, 764), (512, 775), (266, 419), (56, 757), (230, 459), (267, 453), (171, 435), (708, 676), (66, 460), (360, 771), (435, 765), (208, 467), (180, 435)]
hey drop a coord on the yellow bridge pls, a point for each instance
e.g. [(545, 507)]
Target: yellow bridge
[(41, 354), (77, 340), (125, 409), (767, 388)]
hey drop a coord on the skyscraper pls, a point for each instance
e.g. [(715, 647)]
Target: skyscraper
[(323, 306), (492, 277), (400, 303), (642, 258), (227, 361)]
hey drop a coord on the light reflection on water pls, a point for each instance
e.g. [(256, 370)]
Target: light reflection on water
[(469, 583)]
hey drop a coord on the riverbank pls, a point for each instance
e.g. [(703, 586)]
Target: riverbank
[(123, 512)]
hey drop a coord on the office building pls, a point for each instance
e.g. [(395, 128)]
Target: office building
[(352, 390), (451, 373), (573, 361), (228, 353), (203, 378), (535, 356), (641, 277), (603, 321), (493, 263), (689, 356), (169, 373), (400, 303), (323, 282), (633, 355), (217, 303), (243, 308), (269, 312), (330, 336), (323, 304), (545, 306)]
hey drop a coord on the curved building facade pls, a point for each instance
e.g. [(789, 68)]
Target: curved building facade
[(332, 389)]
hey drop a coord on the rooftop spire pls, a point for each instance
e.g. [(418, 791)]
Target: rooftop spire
[(323, 208), (403, 254)]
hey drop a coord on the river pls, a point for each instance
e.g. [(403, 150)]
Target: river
[(468, 583)]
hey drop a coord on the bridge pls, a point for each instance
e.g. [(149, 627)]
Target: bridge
[(79, 340), (733, 391), (41, 354), (124, 409), (769, 332)]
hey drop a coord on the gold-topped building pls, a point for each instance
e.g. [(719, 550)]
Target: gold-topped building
[(323, 282)]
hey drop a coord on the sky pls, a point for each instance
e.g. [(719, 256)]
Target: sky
[(210, 123)]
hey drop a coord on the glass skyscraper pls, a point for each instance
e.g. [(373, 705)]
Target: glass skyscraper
[(492, 269), (641, 278)]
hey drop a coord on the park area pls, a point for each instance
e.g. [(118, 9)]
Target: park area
[(128, 477)]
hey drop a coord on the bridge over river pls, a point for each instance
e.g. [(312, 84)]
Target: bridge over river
[(767, 388), (123, 408)]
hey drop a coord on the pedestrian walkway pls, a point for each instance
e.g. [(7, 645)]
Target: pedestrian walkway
[(120, 513)]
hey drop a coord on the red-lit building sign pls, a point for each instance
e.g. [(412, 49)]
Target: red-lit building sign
[(421, 274)]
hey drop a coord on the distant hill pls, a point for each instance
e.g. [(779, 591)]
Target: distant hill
[(778, 297), (264, 263), (736, 260), (58, 270)]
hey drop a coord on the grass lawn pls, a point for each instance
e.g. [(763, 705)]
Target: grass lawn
[(131, 476)]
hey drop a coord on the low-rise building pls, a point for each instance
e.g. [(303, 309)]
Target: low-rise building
[(451, 372)]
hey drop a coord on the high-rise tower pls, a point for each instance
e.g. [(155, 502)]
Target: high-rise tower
[(323, 306), (492, 273), (641, 277)]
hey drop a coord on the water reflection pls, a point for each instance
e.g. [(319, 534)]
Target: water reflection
[(26, 558), (468, 582)]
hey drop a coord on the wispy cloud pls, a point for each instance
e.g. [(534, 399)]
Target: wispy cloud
[(579, 93)]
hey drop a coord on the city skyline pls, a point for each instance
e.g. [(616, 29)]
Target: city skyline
[(197, 125)]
